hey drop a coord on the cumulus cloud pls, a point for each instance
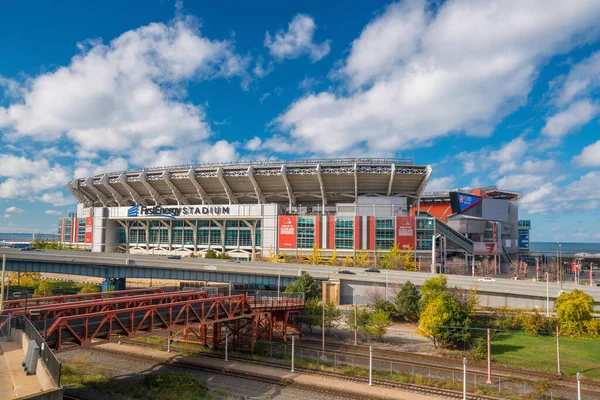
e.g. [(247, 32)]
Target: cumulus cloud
[(57, 199), (125, 96), (13, 209), (414, 75), (221, 151), (253, 144), (27, 176), (582, 78), (85, 168), (590, 156), (297, 40), (53, 212), (440, 184), (575, 116)]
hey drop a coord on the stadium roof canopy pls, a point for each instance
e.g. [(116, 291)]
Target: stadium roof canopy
[(491, 192), (305, 182)]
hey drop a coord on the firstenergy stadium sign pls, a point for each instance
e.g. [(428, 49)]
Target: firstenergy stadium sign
[(176, 211)]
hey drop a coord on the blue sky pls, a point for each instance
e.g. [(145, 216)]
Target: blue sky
[(488, 92)]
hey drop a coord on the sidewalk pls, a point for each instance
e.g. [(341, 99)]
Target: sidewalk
[(14, 382), (305, 380)]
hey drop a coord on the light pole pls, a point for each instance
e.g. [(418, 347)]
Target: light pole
[(578, 386), (278, 282), (293, 341), (371, 365), (537, 270), (547, 297), (323, 332), (19, 295), (386, 284), (465, 378), (226, 345)]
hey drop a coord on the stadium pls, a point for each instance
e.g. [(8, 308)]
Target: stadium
[(245, 209)]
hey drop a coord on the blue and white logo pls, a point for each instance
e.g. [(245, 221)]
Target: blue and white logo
[(133, 211)]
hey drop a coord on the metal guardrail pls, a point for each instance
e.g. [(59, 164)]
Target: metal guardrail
[(397, 161), (46, 355)]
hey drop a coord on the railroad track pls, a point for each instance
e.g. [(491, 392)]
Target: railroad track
[(474, 367), (418, 389)]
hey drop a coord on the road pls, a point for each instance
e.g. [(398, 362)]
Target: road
[(501, 285)]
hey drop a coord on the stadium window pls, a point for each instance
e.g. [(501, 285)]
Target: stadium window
[(203, 237), (344, 232), (164, 236), (188, 236), (384, 233), (306, 232), (231, 237), (177, 236), (122, 236), (245, 238), (215, 237)]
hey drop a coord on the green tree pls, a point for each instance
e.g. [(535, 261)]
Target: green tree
[(312, 314), (333, 315), (574, 312), (305, 284), (363, 317), (90, 288), (445, 322), (378, 323), (43, 289), (432, 289), (407, 302)]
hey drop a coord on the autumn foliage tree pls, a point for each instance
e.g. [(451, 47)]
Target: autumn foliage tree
[(399, 259), (445, 321), (44, 289), (574, 313), (90, 288)]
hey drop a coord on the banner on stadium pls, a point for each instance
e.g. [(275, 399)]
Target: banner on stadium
[(461, 202), (287, 231), (405, 232), (88, 229), (485, 248)]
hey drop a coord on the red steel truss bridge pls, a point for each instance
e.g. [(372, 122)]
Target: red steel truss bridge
[(187, 316)]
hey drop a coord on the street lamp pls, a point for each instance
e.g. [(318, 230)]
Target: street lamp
[(386, 284), (433, 267), (547, 297)]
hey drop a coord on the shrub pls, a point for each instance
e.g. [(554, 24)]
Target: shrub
[(574, 312), (44, 289), (210, 253), (90, 288)]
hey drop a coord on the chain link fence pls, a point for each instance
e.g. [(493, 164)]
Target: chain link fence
[(407, 372)]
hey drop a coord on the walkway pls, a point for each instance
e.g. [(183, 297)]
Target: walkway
[(14, 382)]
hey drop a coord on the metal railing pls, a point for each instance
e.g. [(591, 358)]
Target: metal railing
[(53, 365), (5, 322), (259, 163)]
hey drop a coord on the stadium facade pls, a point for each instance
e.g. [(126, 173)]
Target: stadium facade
[(283, 207)]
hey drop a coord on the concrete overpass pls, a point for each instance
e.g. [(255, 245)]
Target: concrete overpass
[(519, 294)]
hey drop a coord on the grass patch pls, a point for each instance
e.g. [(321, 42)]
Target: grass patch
[(539, 353)]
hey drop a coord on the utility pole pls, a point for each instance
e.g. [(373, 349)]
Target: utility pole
[(2, 286), (355, 323), (489, 358), (558, 373)]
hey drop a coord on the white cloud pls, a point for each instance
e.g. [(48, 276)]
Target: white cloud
[(57, 199), (253, 144), (582, 78), (297, 40), (414, 76), (264, 97), (26, 177), (260, 70), (125, 96), (308, 82), (576, 115), (590, 156), (7, 215), (85, 168), (53, 212), (444, 183), (221, 151), (13, 209)]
